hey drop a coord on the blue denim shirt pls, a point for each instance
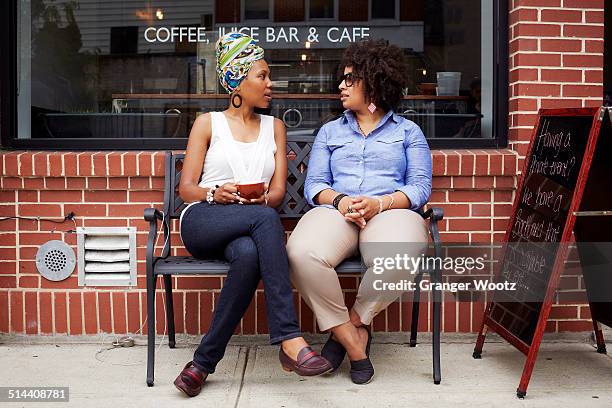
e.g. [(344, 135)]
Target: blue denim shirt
[(394, 156)]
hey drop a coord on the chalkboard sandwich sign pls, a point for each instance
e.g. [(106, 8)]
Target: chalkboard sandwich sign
[(565, 176)]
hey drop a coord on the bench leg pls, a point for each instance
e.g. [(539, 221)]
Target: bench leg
[(437, 306), (151, 285), (414, 324), (169, 310)]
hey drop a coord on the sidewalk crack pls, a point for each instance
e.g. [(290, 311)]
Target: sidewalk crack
[(244, 367)]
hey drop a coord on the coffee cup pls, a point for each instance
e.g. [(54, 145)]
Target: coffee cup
[(251, 191)]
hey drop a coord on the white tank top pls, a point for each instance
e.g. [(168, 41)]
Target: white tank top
[(230, 161)]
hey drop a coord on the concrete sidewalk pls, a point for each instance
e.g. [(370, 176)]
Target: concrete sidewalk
[(568, 373)]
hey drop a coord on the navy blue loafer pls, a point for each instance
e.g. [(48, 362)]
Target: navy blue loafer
[(334, 352)]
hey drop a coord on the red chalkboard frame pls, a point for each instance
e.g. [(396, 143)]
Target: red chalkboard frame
[(531, 350)]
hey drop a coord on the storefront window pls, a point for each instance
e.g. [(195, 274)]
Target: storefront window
[(110, 69)]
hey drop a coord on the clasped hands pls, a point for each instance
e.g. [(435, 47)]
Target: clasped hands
[(358, 210)]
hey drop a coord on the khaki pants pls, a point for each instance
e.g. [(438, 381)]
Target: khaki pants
[(323, 239)]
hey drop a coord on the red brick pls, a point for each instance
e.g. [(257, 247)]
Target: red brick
[(563, 312), (179, 311), (40, 163), (28, 281), (561, 103), (8, 239), (145, 164), (119, 313), (26, 164), (115, 167), (481, 210), (463, 182), (523, 74), (599, 4), (70, 164), (31, 312), (159, 164), (583, 61), (76, 183), (561, 75), (76, 317), (537, 60), (133, 312), (594, 16), (129, 164), (584, 31), (60, 311), (86, 210), (206, 308), (575, 325), (97, 183), (469, 196), (37, 183), (118, 183), (105, 196), (456, 210), (540, 3), (11, 163), (484, 182), (198, 282), (4, 312), (452, 164), (536, 30), (99, 163), (46, 312), (105, 312), (582, 90), (262, 317), (192, 322), (55, 164), (90, 313), (561, 16), (61, 196), (140, 183), (85, 164), (126, 210), (522, 15), (55, 183), (146, 197), (560, 45), (438, 164), (537, 89), (472, 224), (17, 324), (12, 183), (523, 104), (593, 76)]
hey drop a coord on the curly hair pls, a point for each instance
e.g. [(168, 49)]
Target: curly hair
[(383, 67)]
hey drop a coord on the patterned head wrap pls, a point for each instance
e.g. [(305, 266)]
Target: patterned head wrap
[(236, 53)]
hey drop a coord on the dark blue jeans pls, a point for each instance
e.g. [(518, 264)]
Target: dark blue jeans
[(251, 239)]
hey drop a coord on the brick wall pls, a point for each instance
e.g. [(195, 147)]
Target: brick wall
[(555, 60)]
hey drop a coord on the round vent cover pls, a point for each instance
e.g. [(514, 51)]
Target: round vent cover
[(55, 260)]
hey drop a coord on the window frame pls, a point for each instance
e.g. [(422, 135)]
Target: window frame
[(8, 99)]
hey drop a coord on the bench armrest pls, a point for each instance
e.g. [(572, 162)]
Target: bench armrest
[(152, 215)]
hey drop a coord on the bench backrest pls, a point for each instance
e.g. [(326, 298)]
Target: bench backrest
[(294, 204)]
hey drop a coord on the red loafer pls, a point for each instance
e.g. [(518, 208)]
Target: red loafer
[(308, 363), (190, 380)]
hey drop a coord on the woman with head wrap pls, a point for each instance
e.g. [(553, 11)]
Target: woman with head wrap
[(227, 149)]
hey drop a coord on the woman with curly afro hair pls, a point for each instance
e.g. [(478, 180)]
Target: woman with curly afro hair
[(369, 172)]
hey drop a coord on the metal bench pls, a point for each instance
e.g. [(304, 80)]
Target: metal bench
[(293, 207)]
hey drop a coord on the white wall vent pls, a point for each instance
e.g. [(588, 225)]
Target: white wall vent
[(106, 256)]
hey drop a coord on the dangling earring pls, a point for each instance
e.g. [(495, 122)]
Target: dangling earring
[(234, 104), (371, 107)]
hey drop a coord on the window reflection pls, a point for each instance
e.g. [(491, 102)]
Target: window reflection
[(108, 69)]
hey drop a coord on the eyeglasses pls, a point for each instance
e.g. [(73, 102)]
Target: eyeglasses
[(349, 79)]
